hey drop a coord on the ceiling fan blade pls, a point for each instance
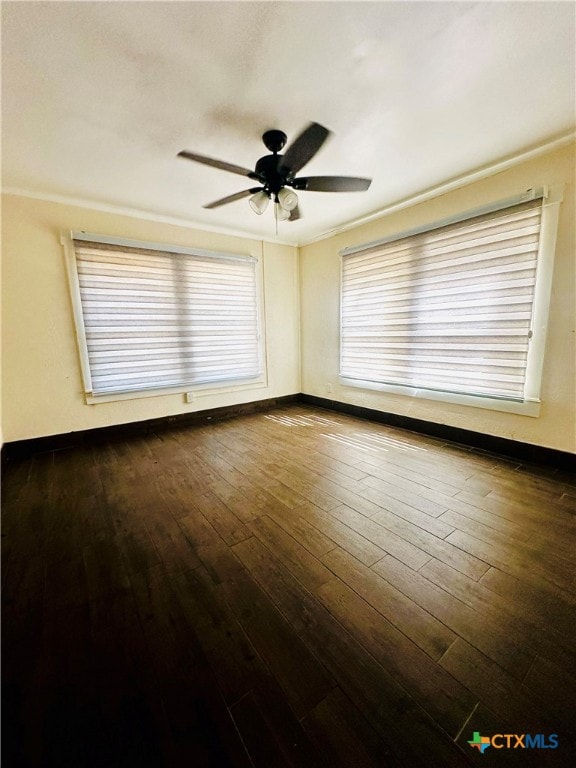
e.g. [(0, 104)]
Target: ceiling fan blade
[(295, 214), (216, 163), (233, 198), (304, 147), (331, 183)]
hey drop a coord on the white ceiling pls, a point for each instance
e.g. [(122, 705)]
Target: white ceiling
[(99, 97)]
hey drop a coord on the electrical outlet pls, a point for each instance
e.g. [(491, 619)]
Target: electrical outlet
[(328, 388), (189, 397)]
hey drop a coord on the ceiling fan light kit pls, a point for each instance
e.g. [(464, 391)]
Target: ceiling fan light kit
[(277, 173), (259, 202), (287, 199)]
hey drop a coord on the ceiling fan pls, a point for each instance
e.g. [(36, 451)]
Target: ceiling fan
[(277, 173)]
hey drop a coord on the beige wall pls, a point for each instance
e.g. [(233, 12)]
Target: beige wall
[(320, 272), (41, 381)]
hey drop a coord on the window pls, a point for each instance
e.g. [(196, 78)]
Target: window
[(450, 311), (153, 317)]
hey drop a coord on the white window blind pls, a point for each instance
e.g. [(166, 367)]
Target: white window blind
[(449, 309), (156, 319)]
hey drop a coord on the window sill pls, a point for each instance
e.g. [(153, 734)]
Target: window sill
[(522, 408), (195, 390)]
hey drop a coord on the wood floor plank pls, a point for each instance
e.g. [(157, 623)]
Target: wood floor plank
[(298, 524), (509, 559), (65, 581), (106, 569), (271, 735), (127, 684), (199, 721), (551, 606), (440, 695), (306, 567), (401, 491), (523, 622), (177, 463), (510, 524), (501, 692), (521, 511), (294, 588), (334, 446), (561, 508), (351, 496), (385, 539), (197, 530), (238, 503), (303, 679), (436, 547), (450, 463), (398, 720), (334, 469), (301, 483), (403, 509), (516, 479), (478, 628), (402, 471), (525, 537), (421, 627), (242, 676), (338, 532), (551, 683), (65, 667), (221, 517), (283, 493), (243, 475), (344, 736), (28, 518), (173, 548), (234, 660)]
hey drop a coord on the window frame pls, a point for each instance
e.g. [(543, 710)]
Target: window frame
[(531, 403), (191, 390)]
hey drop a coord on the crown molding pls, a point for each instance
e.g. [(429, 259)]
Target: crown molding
[(452, 184), (135, 213)]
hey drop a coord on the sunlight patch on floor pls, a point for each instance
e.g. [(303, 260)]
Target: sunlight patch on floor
[(352, 442), (300, 421), (364, 441), (391, 442)]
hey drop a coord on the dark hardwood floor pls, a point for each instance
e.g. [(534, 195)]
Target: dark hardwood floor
[(292, 589)]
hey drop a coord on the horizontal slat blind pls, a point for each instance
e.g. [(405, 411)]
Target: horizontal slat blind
[(154, 320), (449, 309)]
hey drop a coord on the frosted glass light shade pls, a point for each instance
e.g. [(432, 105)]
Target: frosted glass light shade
[(287, 199), (259, 202)]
